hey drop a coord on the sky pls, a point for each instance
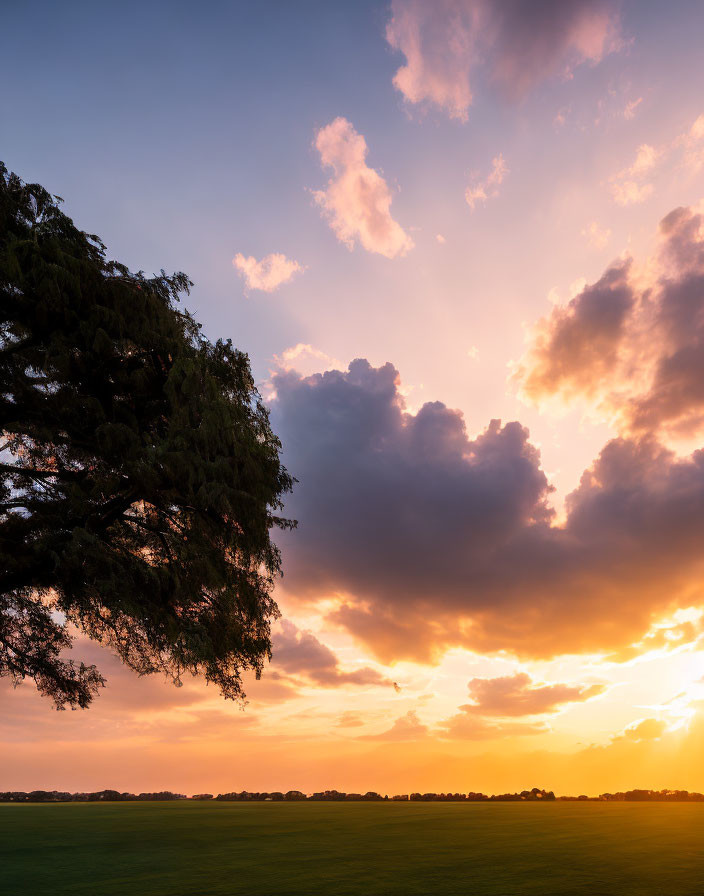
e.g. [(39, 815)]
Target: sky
[(462, 243)]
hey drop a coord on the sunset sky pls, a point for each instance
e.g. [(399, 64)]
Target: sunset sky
[(462, 243)]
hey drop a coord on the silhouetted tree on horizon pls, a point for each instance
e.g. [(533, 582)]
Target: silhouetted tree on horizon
[(139, 475)]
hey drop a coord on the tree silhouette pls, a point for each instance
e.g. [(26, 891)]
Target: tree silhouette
[(139, 476)]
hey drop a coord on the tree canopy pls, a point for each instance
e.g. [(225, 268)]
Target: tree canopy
[(139, 475)]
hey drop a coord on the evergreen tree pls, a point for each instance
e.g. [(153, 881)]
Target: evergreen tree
[(139, 476)]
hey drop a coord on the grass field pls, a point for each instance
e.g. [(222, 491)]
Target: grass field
[(174, 849)]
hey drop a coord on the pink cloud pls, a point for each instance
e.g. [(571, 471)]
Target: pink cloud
[(267, 274), (357, 199), (480, 191), (629, 186), (516, 42)]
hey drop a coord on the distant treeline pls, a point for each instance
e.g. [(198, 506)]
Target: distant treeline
[(246, 796)]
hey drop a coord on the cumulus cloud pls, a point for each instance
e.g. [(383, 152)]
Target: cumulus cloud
[(267, 274), (575, 349), (632, 343), (357, 199), (517, 695), (515, 43), (481, 190), (305, 358), (299, 652), (428, 538)]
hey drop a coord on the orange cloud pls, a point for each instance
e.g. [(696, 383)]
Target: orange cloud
[(516, 695), (646, 729), (357, 199)]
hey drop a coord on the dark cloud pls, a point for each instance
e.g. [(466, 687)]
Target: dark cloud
[(517, 695), (515, 43), (534, 40), (634, 341), (576, 348), (301, 653), (429, 538)]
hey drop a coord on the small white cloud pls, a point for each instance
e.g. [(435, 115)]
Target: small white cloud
[(440, 238), (473, 352), (480, 191), (357, 200), (268, 273)]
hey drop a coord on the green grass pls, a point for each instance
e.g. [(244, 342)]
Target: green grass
[(198, 849)]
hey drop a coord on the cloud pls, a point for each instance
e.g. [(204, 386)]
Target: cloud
[(496, 702), (629, 186), (465, 726), (575, 349), (633, 343), (301, 653), (357, 199), (646, 729), (516, 695), (305, 358), (634, 184), (350, 719), (268, 274), (598, 236), (426, 538), (405, 728), (480, 191), (664, 637), (515, 43), (631, 108)]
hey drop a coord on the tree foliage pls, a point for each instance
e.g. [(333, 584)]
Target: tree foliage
[(139, 476)]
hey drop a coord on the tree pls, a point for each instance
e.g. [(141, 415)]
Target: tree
[(139, 476)]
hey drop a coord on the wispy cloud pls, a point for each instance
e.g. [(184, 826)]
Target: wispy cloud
[(481, 190)]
